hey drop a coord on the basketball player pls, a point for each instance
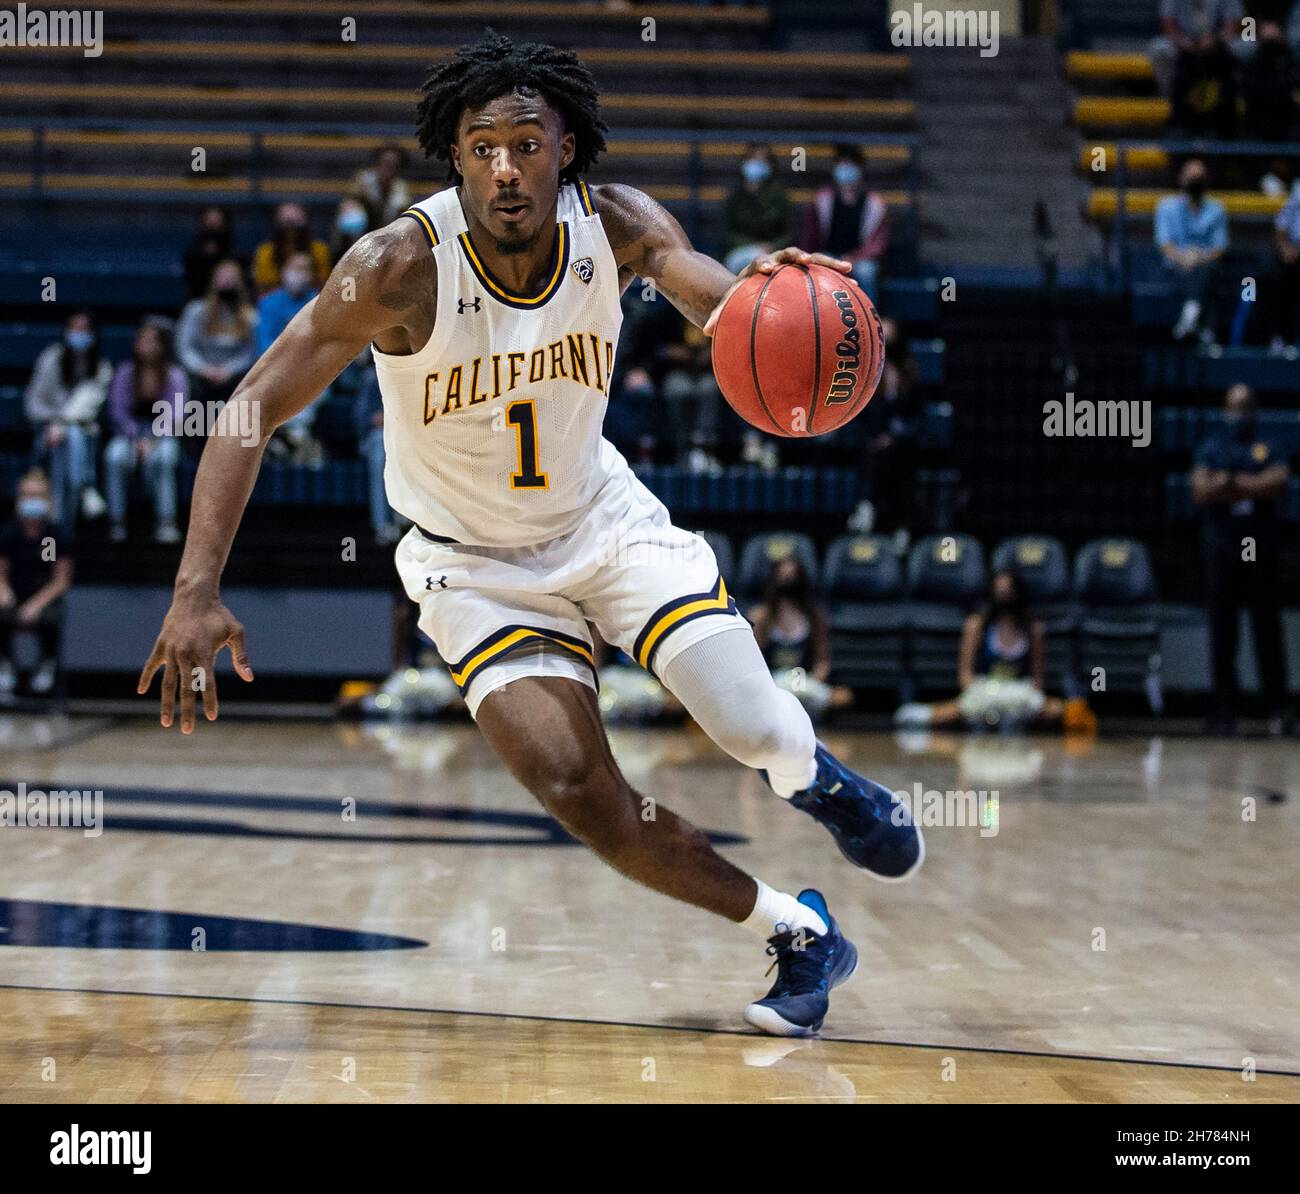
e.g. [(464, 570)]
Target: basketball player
[(492, 310)]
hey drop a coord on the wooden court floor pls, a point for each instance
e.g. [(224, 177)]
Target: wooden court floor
[(300, 911)]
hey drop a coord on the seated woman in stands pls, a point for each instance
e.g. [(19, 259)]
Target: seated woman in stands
[(1000, 669), (145, 406), (63, 399), (794, 635), (215, 339)]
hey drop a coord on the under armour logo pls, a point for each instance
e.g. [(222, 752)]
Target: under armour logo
[(462, 306), (428, 583)]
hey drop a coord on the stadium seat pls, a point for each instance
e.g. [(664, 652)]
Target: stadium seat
[(1119, 628), (762, 551), (946, 575), (863, 585), (1042, 564)]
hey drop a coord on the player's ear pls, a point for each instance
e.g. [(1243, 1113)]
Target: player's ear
[(567, 147), (455, 158)]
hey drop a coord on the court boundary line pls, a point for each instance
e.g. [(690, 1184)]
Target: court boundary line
[(442, 1011)]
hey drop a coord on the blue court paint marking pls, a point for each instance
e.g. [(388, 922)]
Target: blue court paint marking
[(93, 926), (540, 830), (709, 1030)]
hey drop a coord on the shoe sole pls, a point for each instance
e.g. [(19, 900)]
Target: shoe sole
[(879, 878), (770, 1021)]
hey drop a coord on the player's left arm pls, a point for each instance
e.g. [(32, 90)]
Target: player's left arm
[(647, 241)]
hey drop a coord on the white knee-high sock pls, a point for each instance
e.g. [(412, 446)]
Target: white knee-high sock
[(726, 687), (773, 908)]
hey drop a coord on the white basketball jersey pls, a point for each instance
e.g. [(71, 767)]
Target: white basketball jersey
[(492, 431)]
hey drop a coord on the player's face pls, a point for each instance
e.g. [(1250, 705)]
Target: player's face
[(510, 153)]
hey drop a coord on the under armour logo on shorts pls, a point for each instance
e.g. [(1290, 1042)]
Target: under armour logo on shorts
[(428, 583)]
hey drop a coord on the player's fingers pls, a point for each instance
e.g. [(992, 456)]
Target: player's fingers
[(185, 673), (151, 665), (832, 262), (209, 689), (167, 698), (239, 652)]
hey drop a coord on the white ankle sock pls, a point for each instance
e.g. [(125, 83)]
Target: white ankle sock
[(786, 785), (773, 907)]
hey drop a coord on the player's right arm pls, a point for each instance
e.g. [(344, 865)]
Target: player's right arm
[(383, 290)]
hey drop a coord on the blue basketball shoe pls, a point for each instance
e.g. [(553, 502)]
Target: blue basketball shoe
[(807, 965), (871, 826)]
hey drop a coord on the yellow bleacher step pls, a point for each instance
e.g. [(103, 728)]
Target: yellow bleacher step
[(323, 97), (1093, 64), (1103, 203), (1139, 158), (1121, 112)]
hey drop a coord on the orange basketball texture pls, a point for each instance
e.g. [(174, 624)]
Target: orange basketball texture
[(798, 352)]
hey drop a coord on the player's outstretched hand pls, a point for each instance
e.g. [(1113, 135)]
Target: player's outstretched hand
[(766, 263), (192, 635)]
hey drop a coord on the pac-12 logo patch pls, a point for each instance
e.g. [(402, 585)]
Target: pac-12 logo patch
[(585, 268)]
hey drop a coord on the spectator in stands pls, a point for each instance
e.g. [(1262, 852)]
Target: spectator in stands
[(1269, 87), (1001, 668), (1191, 232), (146, 405), (274, 313), (215, 337), (1239, 478), (793, 633), (847, 220), (381, 186), (690, 393), (290, 235), (1282, 305), (757, 212), (35, 571), (351, 223), (1193, 62), (369, 416), (214, 242), (68, 387), (890, 426), (633, 422)]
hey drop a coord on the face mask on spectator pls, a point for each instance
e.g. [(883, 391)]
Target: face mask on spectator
[(846, 174), (756, 170), (229, 295), (1195, 188), (33, 509), (295, 281), (79, 341), (353, 223)]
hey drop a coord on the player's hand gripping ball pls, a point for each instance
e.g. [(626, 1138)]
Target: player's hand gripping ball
[(798, 351)]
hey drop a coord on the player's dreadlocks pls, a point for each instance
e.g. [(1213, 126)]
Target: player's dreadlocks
[(496, 66)]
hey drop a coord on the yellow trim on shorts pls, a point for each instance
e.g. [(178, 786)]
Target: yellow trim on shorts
[(469, 666), (720, 604)]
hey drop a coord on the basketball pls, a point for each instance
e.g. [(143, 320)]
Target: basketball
[(798, 352)]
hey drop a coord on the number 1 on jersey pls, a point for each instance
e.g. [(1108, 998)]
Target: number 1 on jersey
[(523, 415)]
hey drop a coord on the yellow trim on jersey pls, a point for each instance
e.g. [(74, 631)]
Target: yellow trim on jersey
[(510, 641), (557, 275), (721, 603), (585, 199), (420, 218)]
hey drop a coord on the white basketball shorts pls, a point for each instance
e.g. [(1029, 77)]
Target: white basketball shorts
[(650, 588)]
